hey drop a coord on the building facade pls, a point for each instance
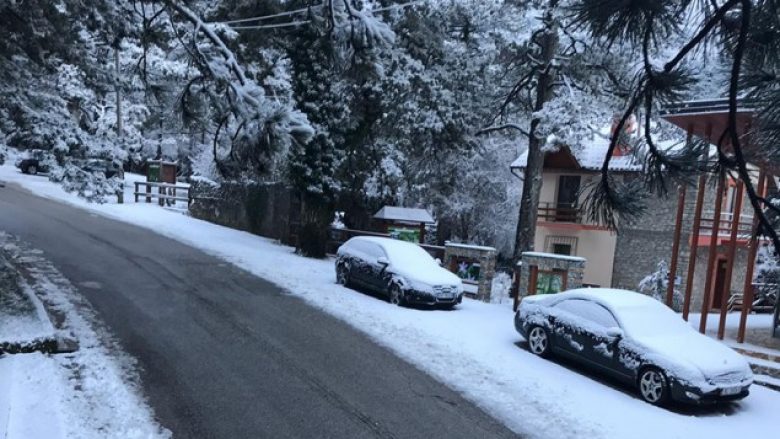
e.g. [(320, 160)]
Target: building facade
[(622, 258)]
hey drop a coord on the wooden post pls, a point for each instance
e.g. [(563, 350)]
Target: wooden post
[(730, 261), (694, 246), (705, 304), (135, 192), (148, 191), (747, 293), (516, 286), (161, 199), (676, 245)]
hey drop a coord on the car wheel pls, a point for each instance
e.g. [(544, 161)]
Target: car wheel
[(396, 295), (342, 275), (653, 386), (538, 341), (32, 169)]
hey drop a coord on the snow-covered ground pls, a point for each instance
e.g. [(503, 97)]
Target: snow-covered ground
[(473, 349), (88, 394)]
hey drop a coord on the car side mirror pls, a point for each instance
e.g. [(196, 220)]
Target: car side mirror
[(615, 332), (438, 261), (383, 261)]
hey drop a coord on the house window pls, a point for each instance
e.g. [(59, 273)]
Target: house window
[(566, 200), (562, 249), (561, 245)]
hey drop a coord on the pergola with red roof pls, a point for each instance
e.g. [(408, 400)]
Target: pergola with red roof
[(708, 120)]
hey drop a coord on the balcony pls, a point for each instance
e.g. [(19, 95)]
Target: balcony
[(559, 213), (727, 219)]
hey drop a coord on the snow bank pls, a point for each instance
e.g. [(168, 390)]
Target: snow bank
[(91, 393), (473, 349)]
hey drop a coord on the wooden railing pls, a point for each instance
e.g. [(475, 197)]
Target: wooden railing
[(559, 213), (165, 193), (744, 226)]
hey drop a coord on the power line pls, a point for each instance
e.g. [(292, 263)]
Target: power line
[(263, 17), (300, 22), (271, 26)]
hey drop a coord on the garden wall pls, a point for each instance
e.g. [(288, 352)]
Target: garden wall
[(263, 209)]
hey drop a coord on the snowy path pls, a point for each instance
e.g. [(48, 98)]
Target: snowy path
[(473, 349)]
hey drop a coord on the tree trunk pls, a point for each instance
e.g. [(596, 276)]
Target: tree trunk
[(532, 179), (314, 231)]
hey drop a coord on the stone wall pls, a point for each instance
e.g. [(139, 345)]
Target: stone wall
[(486, 256), (647, 241), (640, 246), (573, 266), (262, 209)]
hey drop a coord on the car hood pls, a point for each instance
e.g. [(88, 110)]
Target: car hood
[(709, 356), (428, 276)]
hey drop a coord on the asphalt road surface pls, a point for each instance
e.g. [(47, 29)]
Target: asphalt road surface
[(225, 354)]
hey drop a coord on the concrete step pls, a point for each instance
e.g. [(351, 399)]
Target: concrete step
[(765, 365)]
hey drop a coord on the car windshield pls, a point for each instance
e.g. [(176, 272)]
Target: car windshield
[(409, 256), (651, 320)]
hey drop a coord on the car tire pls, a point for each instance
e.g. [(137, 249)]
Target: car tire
[(396, 294), (653, 386), (342, 275), (31, 169), (539, 341)]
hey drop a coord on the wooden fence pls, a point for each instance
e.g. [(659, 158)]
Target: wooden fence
[(165, 193)]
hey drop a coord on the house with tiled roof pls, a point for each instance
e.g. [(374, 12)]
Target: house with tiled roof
[(704, 236), (561, 226)]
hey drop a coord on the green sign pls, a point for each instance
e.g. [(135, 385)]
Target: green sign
[(409, 235), (549, 282), (153, 172)]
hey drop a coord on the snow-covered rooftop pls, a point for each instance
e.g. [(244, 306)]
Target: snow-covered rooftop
[(590, 155), (407, 214), (554, 256)]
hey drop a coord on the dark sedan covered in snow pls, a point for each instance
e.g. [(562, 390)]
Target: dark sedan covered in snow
[(34, 161), (636, 339), (402, 271)]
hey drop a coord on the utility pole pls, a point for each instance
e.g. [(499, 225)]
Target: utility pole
[(120, 194), (118, 89)]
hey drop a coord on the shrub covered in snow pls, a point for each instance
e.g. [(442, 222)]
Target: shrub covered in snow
[(767, 277), (93, 186), (502, 285), (656, 283)]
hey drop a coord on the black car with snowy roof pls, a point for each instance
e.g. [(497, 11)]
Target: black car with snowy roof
[(403, 272), (34, 161), (635, 339)]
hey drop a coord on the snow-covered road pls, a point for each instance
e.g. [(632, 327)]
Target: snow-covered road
[(473, 349)]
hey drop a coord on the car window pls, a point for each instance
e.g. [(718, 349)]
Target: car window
[(365, 249), (377, 251), (590, 311)]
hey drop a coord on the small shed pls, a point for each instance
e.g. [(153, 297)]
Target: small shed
[(404, 223), (160, 171)]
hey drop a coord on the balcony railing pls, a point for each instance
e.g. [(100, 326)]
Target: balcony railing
[(559, 213), (727, 219)]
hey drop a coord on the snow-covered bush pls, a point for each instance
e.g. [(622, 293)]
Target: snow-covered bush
[(501, 287), (656, 283), (92, 186), (767, 276)]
